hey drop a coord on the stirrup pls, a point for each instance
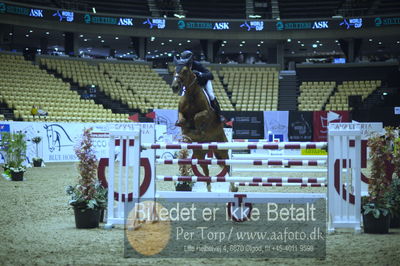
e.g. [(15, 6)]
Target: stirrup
[(177, 124)]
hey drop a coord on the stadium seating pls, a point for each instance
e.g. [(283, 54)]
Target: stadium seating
[(339, 100), (135, 85), (140, 82), (23, 84), (252, 88), (314, 95)]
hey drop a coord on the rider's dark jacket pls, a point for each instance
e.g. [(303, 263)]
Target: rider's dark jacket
[(205, 76)]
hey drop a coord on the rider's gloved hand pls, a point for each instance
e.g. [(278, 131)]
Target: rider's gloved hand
[(197, 73)]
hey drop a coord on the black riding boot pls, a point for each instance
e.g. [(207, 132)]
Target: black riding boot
[(215, 105)]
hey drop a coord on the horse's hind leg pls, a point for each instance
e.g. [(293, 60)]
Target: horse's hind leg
[(201, 154), (223, 154)]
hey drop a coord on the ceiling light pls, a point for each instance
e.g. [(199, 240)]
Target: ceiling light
[(258, 45), (179, 16), (336, 41), (317, 41), (261, 41), (27, 35), (243, 41), (241, 45), (94, 10), (10, 34), (223, 44), (398, 42), (152, 38), (179, 44), (170, 40), (81, 35), (99, 37), (162, 43), (102, 40), (188, 40), (85, 40), (302, 44), (379, 42), (370, 40), (315, 45), (30, 31), (26, 48), (289, 40), (117, 38), (47, 32), (298, 41), (320, 44), (224, 41)]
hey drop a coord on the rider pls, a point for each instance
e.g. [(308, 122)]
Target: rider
[(204, 77)]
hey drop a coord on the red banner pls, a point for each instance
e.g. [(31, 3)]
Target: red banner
[(321, 120)]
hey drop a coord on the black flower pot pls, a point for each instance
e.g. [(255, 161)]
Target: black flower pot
[(101, 216), (17, 176), (87, 218), (376, 226), (395, 221), (183, 187), (37, 163)]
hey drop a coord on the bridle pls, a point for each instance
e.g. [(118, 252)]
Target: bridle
[(178, 77)]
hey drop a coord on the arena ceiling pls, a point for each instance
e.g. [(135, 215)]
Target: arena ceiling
[(25, 37)]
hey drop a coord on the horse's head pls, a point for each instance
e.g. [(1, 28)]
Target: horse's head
[(183, 75), (50, 139)]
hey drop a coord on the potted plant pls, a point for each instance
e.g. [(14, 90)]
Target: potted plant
[(393, 195), (14, 145), (376, 208), (88, 197), (393, 199), (37, 161)]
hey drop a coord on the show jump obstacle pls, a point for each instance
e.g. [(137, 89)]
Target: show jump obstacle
[(128, 183)]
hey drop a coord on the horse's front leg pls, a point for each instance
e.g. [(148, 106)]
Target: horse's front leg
[(201, 154), (181, 120), (201, 119)]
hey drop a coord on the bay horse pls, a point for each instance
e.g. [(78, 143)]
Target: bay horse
[(197, 119)]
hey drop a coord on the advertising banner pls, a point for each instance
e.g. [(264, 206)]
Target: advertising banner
[(246, 125), (321, 120), (59, 139), (276, 125), (300, 126)]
